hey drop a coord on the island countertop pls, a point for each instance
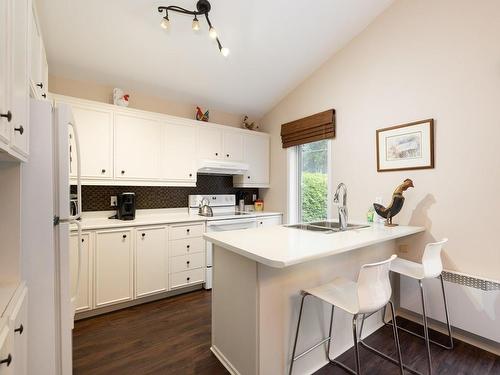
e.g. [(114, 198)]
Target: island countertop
[(280, 246)]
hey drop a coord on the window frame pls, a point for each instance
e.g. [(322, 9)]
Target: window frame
[(294, 204)]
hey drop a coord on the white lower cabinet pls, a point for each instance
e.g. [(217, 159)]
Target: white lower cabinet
[(84, 295), (19, 328), (268, 221), (113, 267), (6, 352), (151, 261), (187, 278)]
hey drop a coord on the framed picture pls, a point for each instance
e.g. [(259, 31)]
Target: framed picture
[(405, 147)]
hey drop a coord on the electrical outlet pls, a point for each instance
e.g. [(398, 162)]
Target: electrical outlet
[(113, 202), (254, 197), (403, 249)]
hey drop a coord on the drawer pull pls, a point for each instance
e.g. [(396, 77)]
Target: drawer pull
[(123, 172), (103, 171), (7, 115), (190, 175), (40, 85), (143, 235), (20, 329), (187, 262), (44, 95), (20, 129), (7, 360), (83, 239), (124, 236), (187, 230), (188, 246), (188, 278)]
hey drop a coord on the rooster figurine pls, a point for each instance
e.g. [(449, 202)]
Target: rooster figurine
[(200, 116), (396, 204)]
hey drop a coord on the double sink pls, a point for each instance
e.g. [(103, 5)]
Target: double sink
[(325, 226)]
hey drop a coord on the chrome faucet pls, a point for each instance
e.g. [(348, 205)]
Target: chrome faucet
[(343, 214)]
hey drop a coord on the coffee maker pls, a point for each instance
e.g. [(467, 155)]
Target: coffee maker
[(125, 206)]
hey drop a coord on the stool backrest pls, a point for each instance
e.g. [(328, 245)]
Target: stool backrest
[(431, 260), (374, 286)]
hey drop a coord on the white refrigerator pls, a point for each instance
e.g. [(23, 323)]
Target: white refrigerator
[(45, 233)]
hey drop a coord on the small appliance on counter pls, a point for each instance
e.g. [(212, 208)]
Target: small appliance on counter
[(73, 205), (125, 208)]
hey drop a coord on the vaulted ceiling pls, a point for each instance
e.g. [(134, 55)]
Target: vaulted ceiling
[(274, 44)]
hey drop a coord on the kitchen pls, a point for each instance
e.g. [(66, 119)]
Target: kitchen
[(212, 202)]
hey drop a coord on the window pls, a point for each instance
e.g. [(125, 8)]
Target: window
[(309, 178)]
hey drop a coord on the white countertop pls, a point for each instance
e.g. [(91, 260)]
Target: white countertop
[(280, 247), (100, 220)]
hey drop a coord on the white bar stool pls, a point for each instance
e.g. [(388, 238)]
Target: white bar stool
[(430, 267), (369, 294)]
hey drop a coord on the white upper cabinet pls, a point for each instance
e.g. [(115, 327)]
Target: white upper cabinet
[(256, 154), (138, 145), (233, 145), (209, 142), (95, 132), (39, 69), (179, 156), (19, 93), (4, 104)]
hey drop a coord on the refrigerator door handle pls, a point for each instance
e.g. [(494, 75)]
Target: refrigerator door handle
[(79, 269), (78, 173)]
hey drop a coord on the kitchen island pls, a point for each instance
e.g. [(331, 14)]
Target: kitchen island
[(258, 275)]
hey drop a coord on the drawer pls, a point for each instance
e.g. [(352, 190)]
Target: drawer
[(187, 246), (186, 278), (186, 231), (187, 262)]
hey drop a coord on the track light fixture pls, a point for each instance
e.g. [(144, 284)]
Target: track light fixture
[(202, 9)]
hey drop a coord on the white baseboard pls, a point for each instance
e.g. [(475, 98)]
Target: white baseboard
[(225, 362)]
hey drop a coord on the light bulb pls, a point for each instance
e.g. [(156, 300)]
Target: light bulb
[(212, 32), (224, 51), (196, 24), (165, 23)]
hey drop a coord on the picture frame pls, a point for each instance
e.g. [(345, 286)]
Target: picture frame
[(406, 147)]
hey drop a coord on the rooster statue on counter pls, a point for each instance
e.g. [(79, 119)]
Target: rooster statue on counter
[(396, 203)]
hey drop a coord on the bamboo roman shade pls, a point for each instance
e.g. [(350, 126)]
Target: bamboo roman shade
[(309, 129)]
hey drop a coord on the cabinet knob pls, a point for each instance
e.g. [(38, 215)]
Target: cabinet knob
[(7, 115), (188, 246), (216, 154), (188, 278), (227, 155), (7, 360), (83, 239), (20, 129), (187, 262), (20, 329), (123, 172), (144, 235), (44, 95), (248, 177), (187, 230), (103, 171), (190, 175), (40, 85), (124, 236)]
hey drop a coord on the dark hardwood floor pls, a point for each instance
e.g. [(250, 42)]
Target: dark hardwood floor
[(172, 336)]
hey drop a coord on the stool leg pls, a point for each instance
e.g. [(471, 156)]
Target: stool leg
[(330, 335), (356, 347), (426, 330), (396, 337), (304, 295), (446, 312)]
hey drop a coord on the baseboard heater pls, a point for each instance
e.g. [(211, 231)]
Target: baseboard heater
[(474, 302)]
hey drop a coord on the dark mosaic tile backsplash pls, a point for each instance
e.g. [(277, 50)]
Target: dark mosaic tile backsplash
[(96, 198)]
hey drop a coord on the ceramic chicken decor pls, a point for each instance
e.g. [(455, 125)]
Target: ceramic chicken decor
[(200, 116), (249, 125), (120, 98), (396, 203)]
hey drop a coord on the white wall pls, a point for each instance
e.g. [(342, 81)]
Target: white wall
[(420, 59)]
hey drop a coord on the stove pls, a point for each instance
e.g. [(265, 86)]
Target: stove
[(221, 204)]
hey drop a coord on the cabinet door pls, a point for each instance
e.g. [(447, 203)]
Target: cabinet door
[(19, 326), (256, 151), (4, 94), (137, 147), (268, 221), (113, 267), (6, 351), (151, 261), (179, 157), (233, 145), (95, 132), (44, 73), (36, 54), (19, 73), (84, 295), (209, 142)]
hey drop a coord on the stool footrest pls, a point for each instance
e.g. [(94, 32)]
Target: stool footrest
[(311, 348), (383, 355), (447, 347)]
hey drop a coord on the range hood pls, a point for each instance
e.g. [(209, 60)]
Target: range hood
[(223, 167)]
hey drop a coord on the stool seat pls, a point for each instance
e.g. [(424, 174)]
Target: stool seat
[(408, 268), (341, 292)]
